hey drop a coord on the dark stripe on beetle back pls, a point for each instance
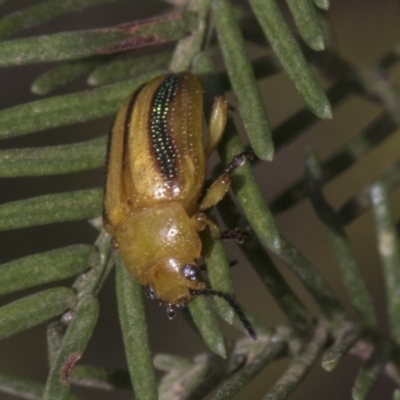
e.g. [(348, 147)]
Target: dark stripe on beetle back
[(161, 143)]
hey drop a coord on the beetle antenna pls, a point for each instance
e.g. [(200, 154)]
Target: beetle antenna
[(243, 319)]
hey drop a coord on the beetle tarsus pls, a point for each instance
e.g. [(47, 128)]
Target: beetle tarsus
[(239, 160), (237, 234)]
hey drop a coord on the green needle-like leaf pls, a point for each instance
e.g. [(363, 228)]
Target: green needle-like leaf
[(42, 12), (371, 371), (306, 19), (266, 269), (118, 70), (35, 309), (206, 321), (248, 192), (241, 75), (322, 4), (309, 277), (23, 388), (377, 131), (192, 380), (80, 44), (68, 109), (362, 201), (186, 49), (51, 208), (134, 333), (218, 273), (53, 160), (290, 56), (168, 362), (63, 74), (299, 366), (100, 378), (346, 337), (351, 273), (389, 252), (45, 267), (72, 347), (266, 352)]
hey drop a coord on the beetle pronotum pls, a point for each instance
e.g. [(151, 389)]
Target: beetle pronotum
[(155, 177)]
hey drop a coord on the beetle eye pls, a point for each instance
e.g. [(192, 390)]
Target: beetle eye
[(191, 272)]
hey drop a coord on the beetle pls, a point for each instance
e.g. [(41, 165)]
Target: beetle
[(155, 177)]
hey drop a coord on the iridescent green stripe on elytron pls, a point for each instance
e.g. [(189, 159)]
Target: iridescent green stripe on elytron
[(161, 142)]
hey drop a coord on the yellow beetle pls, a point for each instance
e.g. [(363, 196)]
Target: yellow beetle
[(155, 176)]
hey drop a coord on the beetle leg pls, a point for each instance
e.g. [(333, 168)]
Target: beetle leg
[(238, 235), (221, 185), (216, 126), (201, 222), (216, 191), (239, 160)]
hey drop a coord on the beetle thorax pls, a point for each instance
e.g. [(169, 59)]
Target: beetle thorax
[(155, 235)]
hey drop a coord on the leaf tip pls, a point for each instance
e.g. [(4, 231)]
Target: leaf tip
[(326, 111)]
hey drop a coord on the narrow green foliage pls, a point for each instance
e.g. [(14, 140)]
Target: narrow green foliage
[(68, 109), (23, 388), (241, 75), (34, 309), (308, 276), (168, 362), (218, 273), (272, 279), (371, 371), (193, 380), (42, 12), (389, 252), (362, 202), (346, 337), (52, 160), (322, 4), (118, 70), (264, 353), (189, 46), (206, 322), (63, 74), (45, 267), (351, 273), (55, 333), (245, 188), (81, 44), (73, 345), (290, 56), (91, 282), (293, 126), (299, 366), (308, 23), (100, 378), (134, 333), (379, 130), (266, 269), (51, 208)]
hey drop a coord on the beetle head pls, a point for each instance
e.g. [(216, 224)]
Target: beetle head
[(172, 281)]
